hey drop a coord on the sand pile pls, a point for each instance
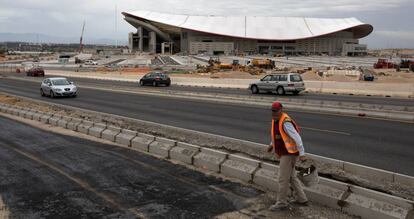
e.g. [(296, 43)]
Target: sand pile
[(340, 78), (311, 76)]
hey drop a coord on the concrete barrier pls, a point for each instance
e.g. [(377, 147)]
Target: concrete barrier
[(184, 152), (239, 167), (161, 147), (336, 164), (45, 118), (373, 205), (210, 159), (9, 109), (85, 126), (142, 142), (73, 124), (4, 108), (64, 121), (267, 176), (30, 114), (55, 119), (97, 129), (110, 133), (14, 111), (125, 137), (328, 192), (22, 113), (404, 180), (369, 173), (36, 116)]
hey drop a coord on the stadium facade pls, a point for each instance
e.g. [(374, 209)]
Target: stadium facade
[(213, 35)]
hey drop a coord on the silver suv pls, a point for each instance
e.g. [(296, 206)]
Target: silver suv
[(279, 83)]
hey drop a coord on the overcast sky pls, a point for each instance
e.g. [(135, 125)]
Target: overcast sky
[(392, 19)]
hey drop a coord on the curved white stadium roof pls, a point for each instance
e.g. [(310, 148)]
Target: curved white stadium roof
[(256, 27)]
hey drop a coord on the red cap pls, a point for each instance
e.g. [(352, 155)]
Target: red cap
[(276, 106)]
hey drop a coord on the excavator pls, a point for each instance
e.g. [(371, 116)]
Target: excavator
[(214, 63)]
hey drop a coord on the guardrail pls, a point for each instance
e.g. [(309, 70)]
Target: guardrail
[(253, 167)]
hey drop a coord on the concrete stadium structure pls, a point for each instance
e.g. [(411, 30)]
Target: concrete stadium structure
[(214, 35)]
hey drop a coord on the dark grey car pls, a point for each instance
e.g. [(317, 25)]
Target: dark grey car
[(155, 79)]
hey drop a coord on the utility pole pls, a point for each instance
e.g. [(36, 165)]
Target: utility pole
[(116, 29)]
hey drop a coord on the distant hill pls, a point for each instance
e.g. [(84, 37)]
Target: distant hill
[(43, 38)]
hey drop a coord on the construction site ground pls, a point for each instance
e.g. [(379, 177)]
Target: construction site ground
[(124, 183), (325, 169)]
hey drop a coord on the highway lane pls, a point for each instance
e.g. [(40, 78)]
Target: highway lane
[(49, 175), (371, 142), (245, 92)]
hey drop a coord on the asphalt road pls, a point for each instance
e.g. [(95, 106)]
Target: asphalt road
[(377, 143), (48, 175), (245, 92)]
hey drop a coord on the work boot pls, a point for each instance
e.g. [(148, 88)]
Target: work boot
[(279, 207), (302, 204)]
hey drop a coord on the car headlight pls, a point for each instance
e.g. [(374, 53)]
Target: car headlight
[(75, 89), (57, 89)]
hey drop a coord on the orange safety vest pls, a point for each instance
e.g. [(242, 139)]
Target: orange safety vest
[(290, 144)]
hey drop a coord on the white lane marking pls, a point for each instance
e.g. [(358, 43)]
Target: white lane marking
[(325, 130)]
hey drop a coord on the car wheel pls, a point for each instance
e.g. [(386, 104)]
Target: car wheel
[(74, 96), (280, 91), (254, 89), (141, 83), (41, 92), (52, 95), (167, 84), (295, 92), (154, 83)]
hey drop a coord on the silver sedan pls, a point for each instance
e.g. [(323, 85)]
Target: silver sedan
[(58, 87)]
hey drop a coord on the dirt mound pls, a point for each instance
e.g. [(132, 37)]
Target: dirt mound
[(233, 74), (311, 76), (340, 78)]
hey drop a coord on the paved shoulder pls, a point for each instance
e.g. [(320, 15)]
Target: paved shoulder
[(49, 175)]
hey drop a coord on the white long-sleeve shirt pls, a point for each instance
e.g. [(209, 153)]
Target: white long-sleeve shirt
[(291, 131)]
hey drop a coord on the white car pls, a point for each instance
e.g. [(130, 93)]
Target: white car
[(91, 62), (58, 87)]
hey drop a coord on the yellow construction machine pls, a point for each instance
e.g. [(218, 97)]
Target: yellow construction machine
[(263, 63)]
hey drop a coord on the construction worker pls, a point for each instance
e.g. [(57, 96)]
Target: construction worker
[(288, 147)]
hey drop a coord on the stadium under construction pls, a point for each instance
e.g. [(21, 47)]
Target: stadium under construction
[(215, 35)]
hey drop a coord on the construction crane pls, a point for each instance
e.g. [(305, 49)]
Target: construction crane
[(80, 43)]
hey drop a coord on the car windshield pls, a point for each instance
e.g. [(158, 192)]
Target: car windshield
[(295, 78), (60, 82)]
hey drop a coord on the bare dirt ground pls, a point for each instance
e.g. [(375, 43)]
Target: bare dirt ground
[(381, 76)]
